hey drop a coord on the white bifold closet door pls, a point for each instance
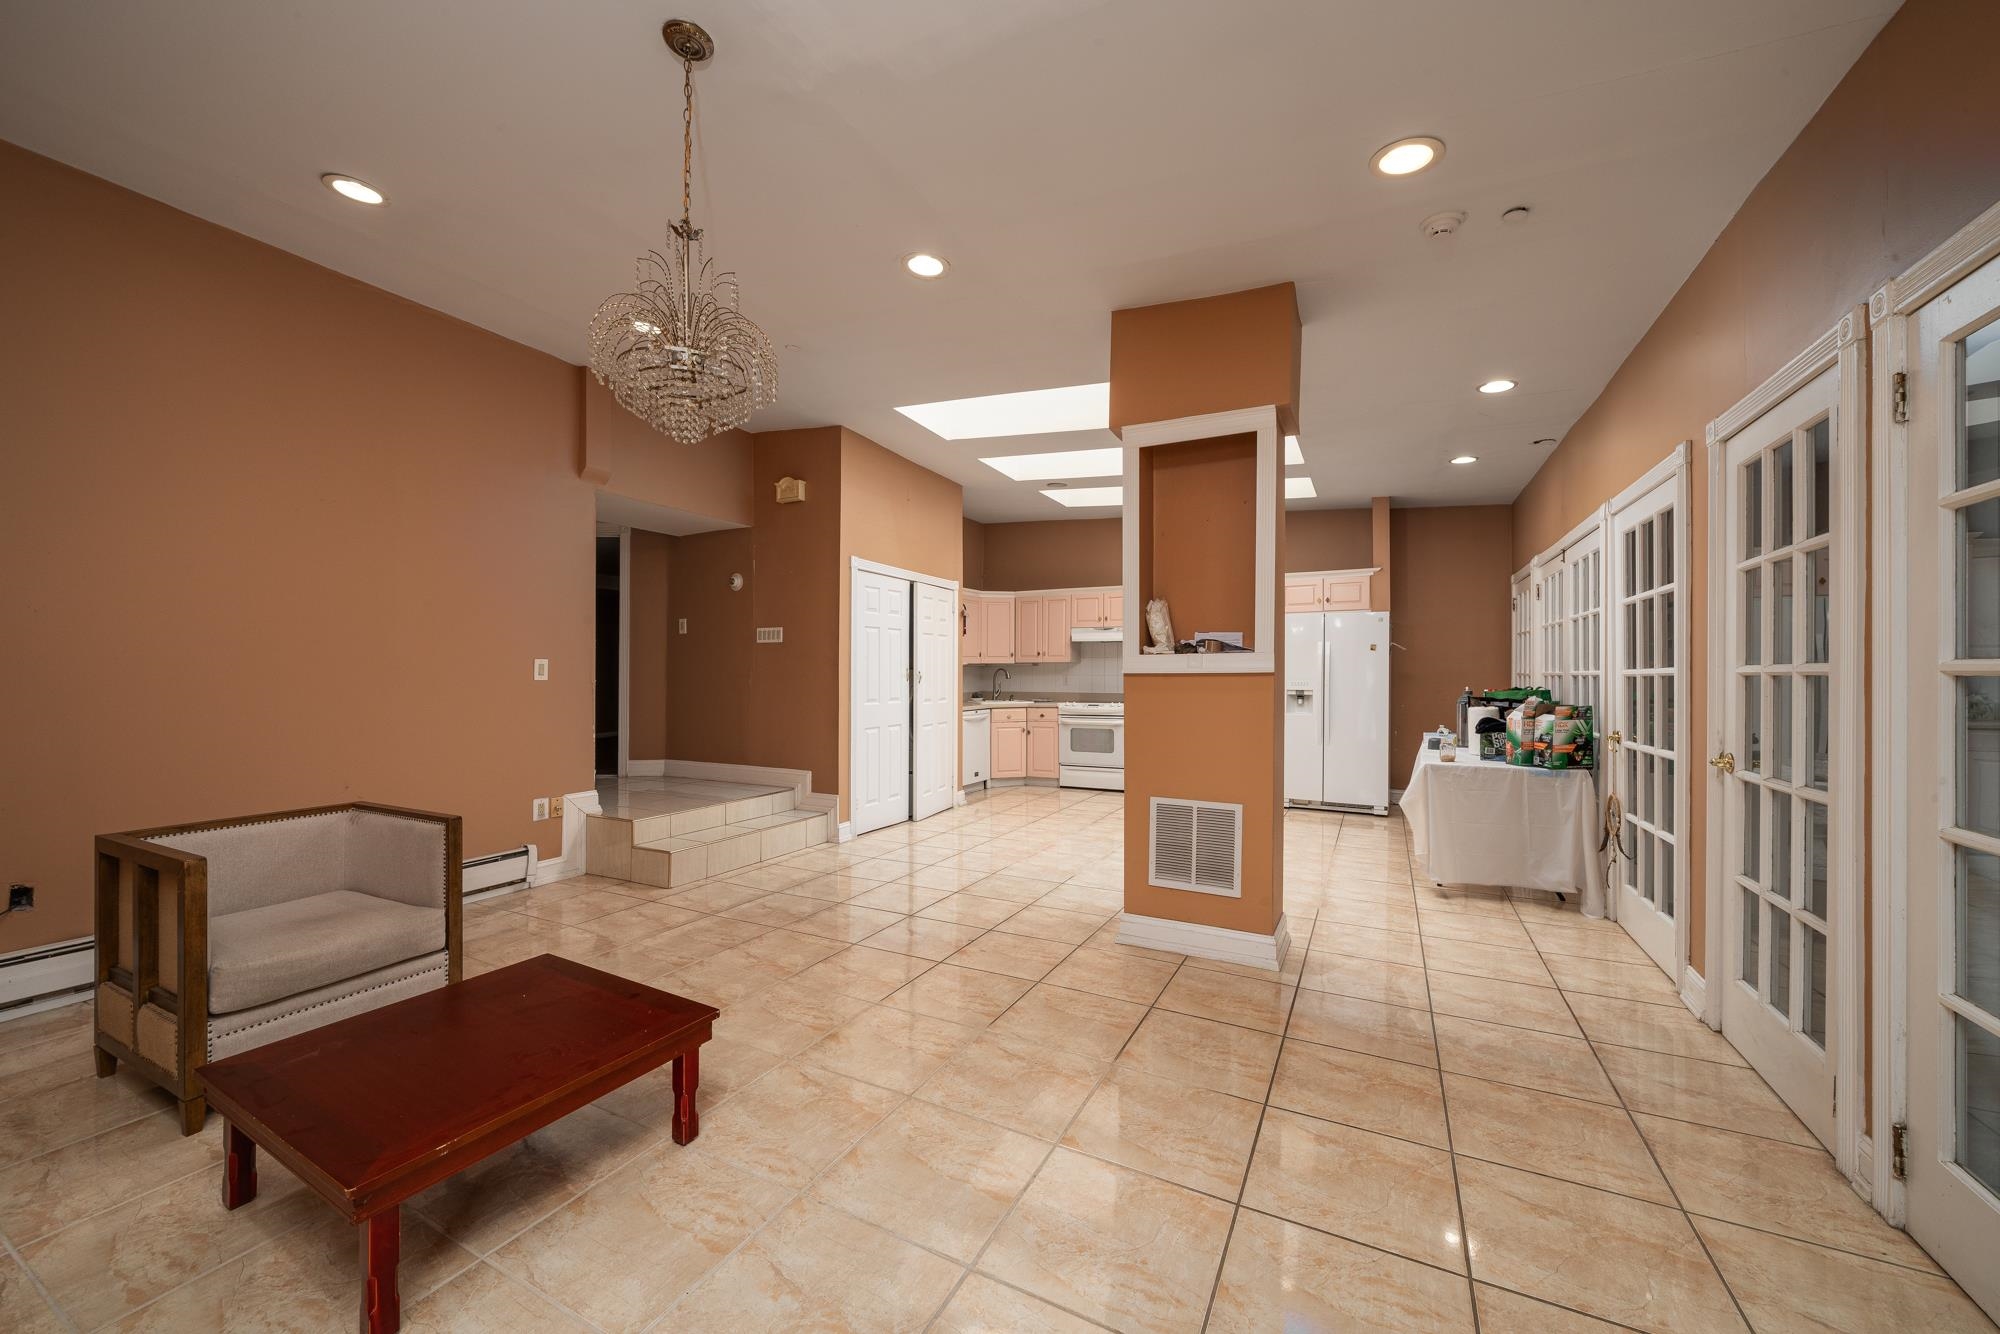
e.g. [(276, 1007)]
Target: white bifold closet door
[(934, 762), (880, 764)]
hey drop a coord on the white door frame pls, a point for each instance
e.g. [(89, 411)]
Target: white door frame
[(859, 565), (624, 652), (1844, 345), (1890, 312), (1671, 469)]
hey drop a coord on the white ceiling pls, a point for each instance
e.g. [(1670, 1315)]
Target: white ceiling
[(1067, 156)]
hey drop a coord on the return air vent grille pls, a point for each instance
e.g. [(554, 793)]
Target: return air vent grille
[(1196, 845), (770, 634)]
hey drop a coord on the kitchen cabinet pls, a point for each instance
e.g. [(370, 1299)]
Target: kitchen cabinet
[(1027, 629), (1009, 742), (1041, 628), (1042, 743), (1097, 608), (986, 627), (1329, 590), (1055, 630)]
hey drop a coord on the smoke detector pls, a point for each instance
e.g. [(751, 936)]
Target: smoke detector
[(1443, 224)]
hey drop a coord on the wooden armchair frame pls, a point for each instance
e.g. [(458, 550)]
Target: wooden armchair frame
[(152, 1009)]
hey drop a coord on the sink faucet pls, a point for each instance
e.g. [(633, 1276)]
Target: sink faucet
[(999, 672)]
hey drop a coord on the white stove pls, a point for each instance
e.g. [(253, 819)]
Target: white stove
[(1091, 749)]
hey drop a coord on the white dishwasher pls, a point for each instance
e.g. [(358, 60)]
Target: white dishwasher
[(977, 752)]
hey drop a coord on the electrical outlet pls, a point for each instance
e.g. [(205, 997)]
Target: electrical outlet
[(541, 669), (541, 808), (20, 898), (684, 625)]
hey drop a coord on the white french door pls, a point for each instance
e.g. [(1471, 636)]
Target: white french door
[(1647, 718), (1952, 735), (1568, 641), (1778, 548), (934, 759), (880, 761)]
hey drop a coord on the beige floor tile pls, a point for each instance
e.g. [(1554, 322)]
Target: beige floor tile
[(1605, 1255), (1469, 997), (1545, 1061), (1613, 946), (1783, 1188), (960, 995), (1024, 1087), (890, 1046), (1364, 942), (774, 909), (924, 938), (1106, 940), (817, 1268), (1191, 1136), (983, 1306), (579, 905), (1016, 956), (1366, 1187), (1664, 1028), (36, 1121), (1045, 923), (498, 1196), (1444, 955), (1245, 1001), (1120, 1247), (1018, 888), (483, 1299), (1601, 977), (1085, 899), (972, 910), (868, 973), (714, 896), (1729, 1096), (728, 1066), (83, 1178), (1390, 1031), (1394, 917), (794, 1121), (844, 921), (23, 1310), (1504, 1312), (1585, 1142), (789, 1017), (1074, 1021), (1280, 1276), (1367, 979), (933, 1176), (1393, 1097), (787, 948), (684, 946), (899, 897), (1107, 974), (1204, 1053), (1787, 1285), (1475, 927), (627, 1249)]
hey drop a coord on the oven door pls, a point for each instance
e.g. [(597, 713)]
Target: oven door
[(1092, 743)]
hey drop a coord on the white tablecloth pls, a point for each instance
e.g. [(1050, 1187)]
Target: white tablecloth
[(1482, 822)]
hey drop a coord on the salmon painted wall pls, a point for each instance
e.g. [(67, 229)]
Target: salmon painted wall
[(1901, 154), (708, 699), (627, 457), (898, 513), (1328, 540), (648, 648), (1052, 553), (1450, 620), (790, 719), (973, 553), (299, 546)]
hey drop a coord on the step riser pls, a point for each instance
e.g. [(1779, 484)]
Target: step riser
[(610, 844)]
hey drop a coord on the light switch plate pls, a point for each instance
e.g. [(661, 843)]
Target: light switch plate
[(541, 808), (684, 625), (541, 674)]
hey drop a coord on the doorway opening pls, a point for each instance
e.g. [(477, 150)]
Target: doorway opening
[(607, 716)]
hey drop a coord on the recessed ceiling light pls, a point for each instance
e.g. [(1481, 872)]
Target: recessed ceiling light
[(1466, 458), (361, 192), (1407, 155), (1293, 456), (1069, 463), (925, 266), (1089, 497), (1077, 407), (1496, 386), (1300, 488)]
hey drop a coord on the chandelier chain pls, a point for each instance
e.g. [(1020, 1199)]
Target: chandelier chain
[(687, 139)]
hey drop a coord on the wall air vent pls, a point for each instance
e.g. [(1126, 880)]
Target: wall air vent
[(770, 634), (1196, 845)]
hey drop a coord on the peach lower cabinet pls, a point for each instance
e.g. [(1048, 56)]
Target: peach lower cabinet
[(1033, 626), (1330, 590), (1024, 743)]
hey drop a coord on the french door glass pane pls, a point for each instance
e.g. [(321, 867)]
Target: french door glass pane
[(1979, 929), (1667, 870), (1815, 1015), (1820, 437), (1781, 846), (1667, 547), (1978, 725), (1747, 965), (1816, 866), (1819, 583), (1979, 580), (1667, 798), (1666, 629), (1753, 616), (1753, 507), (1819, 740), (1644, 856), (1781, 728), (1631, 563), (1780, 994), (1651, 729), (1781, 498), (1753, 723), (1666, 737), (1979, 372), (1781, 611), (1646, 767), (1753, 858), (1646, 554), (1978, 1102)]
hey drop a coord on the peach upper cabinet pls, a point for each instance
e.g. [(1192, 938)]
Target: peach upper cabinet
[(986, 627), (1329, 590), (1041, 627), (1096, 608)]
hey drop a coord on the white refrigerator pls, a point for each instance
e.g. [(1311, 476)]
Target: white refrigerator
[(1337, 709)]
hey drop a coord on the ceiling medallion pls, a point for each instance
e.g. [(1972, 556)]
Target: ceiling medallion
[(676, 352)]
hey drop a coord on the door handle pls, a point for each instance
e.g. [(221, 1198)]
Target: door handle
[(1725, 762), (1612, 739)]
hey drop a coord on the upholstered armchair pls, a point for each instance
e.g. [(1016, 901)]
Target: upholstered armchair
[(215, 938)]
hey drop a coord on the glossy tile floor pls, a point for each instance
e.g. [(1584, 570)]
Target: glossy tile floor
[(942, 1096)]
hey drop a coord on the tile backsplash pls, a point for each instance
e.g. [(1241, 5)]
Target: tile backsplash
[(1095, 670)]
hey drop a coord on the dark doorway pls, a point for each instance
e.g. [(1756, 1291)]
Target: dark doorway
[(609, 647)]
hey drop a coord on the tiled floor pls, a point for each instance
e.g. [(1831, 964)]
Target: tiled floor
[(942, 1095)]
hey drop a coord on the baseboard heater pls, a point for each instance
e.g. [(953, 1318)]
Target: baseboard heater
[(501, 873)]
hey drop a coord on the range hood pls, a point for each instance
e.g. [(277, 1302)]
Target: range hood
[(1108, 634)]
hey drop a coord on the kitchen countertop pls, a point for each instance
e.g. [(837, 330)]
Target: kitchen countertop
[(1040, 701)]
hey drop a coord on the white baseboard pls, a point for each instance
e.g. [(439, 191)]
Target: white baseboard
[(1694, 992), (645, 768), (1207, 942), (819, 801), (41, 975), (1395, 796), (577, 808), (1863, 1179), (843, 832)]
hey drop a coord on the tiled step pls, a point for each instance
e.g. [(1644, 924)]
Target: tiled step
[(668, 832)]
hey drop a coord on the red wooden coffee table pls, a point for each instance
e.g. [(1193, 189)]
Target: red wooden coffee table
[(370, 1110)]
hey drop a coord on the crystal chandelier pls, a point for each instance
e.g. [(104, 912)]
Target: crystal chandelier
[(676, 352)]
